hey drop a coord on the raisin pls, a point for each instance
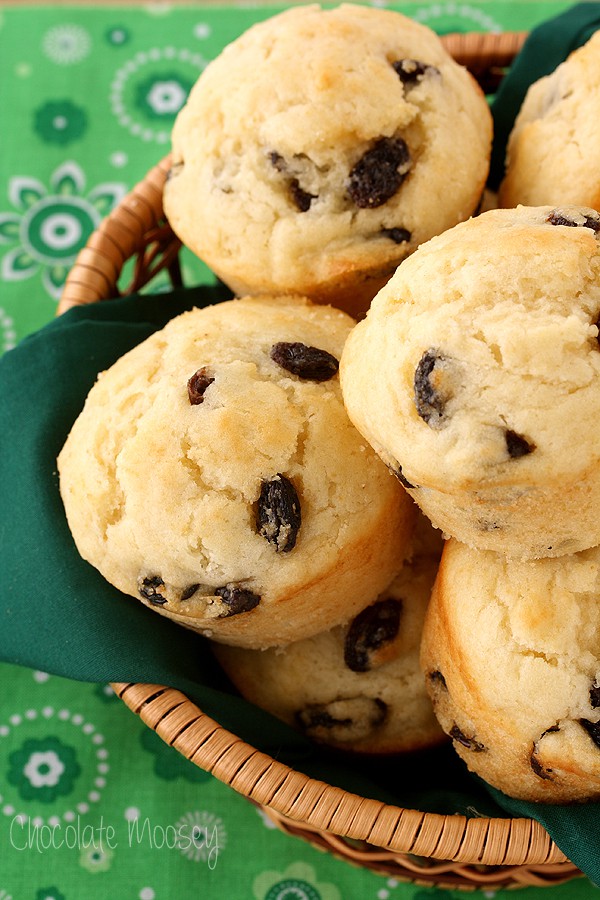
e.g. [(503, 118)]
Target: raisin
[(469, 742), (436, 678), (277, 161), (197, 385), (397, 235), (517, 445), (151, 587), (592, 222), (348, 719), (430, 401), (593, 729), (237, 600), (305, 362), (378, 174), (279, 516), (189, 591), (301, 198), (317, 717), (595, 695), (540, 770), (411, 71), (375, 626)]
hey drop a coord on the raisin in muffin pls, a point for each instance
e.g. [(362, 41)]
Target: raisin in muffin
[(511, 654), (476, 377), (356, 687), (552, 153), (215, 475), (319, 176)]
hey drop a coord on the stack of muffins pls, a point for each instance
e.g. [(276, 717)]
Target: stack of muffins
[(482, 358), (269, 473)]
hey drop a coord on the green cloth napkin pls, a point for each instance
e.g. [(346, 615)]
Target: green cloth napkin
[(546, 47), (59, 615)]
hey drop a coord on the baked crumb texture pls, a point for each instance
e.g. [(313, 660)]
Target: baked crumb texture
[(320, 178), (214, 475)]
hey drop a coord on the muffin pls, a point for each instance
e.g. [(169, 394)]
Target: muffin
[(476, 377), (320, 148), (214, 475), (511, 654), (356, 687), (553, 154)]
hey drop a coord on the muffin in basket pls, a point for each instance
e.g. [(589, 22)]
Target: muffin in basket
[(552, 153), (357, 687), (214, 475), (320, 148), (511, 652), (476, 376)]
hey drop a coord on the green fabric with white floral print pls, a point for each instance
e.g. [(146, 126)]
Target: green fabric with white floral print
[(92, 803)]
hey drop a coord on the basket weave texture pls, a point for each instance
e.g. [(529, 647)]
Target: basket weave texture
[(425, 848)]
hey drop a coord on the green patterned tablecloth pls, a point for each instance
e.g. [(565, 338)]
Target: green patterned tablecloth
[(92, 803)]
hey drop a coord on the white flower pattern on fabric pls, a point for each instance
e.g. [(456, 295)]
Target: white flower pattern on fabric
[(8, 335), (202, 836), (149, 89), (44, 769), (298, 882), (455, 17), (66, 44), (51, 226), (166, 97)]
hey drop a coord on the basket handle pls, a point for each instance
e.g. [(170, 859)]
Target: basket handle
[(485, 51), (134, 229)]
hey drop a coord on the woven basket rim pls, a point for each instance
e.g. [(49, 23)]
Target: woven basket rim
[(136, 228), (485, 841)]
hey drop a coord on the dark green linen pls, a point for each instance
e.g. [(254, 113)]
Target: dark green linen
[(545, 48)]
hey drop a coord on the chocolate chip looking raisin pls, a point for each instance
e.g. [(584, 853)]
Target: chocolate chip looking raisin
[(469, 742), (397, 235), (372, 628), (545, 773), (236, 599), (517, 445), (593, 729), (277, 161), (595, 695), (342, 721), (430, 395), (279, 516), (301, 198), (557, 218), (309, 363), (152, 588), (197, 385), (437, 679), (541, 771), (378, 174), (411, 72)]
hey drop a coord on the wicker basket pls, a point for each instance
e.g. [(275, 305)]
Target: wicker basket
[(449, 851)]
